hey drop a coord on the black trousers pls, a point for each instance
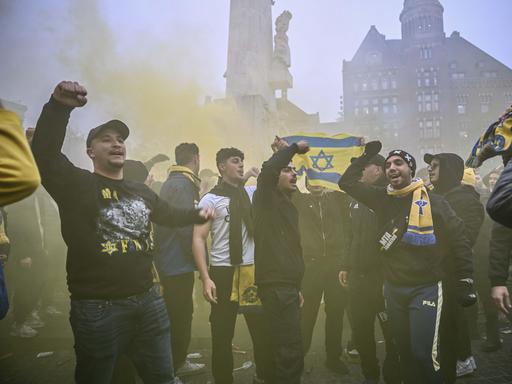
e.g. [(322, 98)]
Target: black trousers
[(28, 285), (455, 336), (483, 287), (281, 312), (222, 321), (321, 280), (180, 308), (367, 303)]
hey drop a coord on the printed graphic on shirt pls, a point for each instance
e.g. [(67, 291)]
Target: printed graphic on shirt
[(124, 225)]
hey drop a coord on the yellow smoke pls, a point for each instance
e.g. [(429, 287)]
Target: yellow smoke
[(153, 86)]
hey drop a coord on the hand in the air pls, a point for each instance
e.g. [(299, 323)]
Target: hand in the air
[(70, 94)]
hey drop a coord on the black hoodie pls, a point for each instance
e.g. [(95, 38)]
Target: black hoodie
[(463, 199)]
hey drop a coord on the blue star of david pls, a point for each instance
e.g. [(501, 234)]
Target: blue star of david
[(421, 204), (322, 156)]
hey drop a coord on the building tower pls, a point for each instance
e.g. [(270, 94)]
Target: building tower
[(422, 22)]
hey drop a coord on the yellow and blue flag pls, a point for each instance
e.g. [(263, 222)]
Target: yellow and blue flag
[(328, 158)]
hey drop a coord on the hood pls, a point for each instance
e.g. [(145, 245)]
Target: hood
[(451, 171)]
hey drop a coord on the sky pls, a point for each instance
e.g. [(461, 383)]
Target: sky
[(185, 42)]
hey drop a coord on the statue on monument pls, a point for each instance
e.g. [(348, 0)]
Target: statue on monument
[(280, 77), (281, 47)]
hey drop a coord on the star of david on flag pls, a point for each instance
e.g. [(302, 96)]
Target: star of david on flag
[(328, 157)]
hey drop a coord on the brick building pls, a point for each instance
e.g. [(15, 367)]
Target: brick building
[(426, 92)]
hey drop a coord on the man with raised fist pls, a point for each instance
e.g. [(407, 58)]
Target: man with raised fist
[(106, 224)]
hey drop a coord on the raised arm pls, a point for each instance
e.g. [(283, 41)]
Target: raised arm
[(57, 172), (271, 169), (351, 184), (19, 176)]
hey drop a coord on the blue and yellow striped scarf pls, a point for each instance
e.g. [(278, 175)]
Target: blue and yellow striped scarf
[(420, 229)]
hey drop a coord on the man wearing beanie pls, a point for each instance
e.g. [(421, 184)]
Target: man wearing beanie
[(362, 273), (446, 171), (418, 228)]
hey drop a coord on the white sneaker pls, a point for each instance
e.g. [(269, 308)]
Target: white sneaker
[(189, 368), (177, 380), (472, 361), (52, 311), (464, 368), (34, 321), (23, 331)]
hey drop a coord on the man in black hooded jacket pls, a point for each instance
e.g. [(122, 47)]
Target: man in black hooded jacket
[(446, 171)]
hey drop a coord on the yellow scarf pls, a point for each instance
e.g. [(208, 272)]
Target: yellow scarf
[(186, 172), (420, 228), (243, 290)]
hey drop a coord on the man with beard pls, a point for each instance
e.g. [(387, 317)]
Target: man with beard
[(419, 229), (361, 272), (446, 171), (228, 285), (106, 224), (279, 262)]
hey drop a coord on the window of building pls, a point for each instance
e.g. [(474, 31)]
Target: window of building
[(508, 97), (356, 87), (375, 109), (356, 111), (365, 102), (364, 86), (489, 75), (366, 110), (385, 109), (458, 75), (385, 100), (375, 101), (375, 84), (485, 101), (384, 83), (393, 84), (461, 109), (453, 65)]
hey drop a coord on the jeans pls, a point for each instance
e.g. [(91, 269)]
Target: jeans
[(137, 326)]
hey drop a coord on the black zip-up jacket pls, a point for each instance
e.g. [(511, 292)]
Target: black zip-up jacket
[(323, 224), (500, 253), (405, 264), (278, 252), (499, 206), (362, 251)]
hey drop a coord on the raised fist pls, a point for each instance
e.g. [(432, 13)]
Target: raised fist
[(278, 144), (372, 148), (70, 94)]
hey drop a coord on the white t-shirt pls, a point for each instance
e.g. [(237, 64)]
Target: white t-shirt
[(219, 252)]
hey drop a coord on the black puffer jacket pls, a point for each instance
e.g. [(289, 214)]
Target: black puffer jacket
[(499, 206), (500, 254)]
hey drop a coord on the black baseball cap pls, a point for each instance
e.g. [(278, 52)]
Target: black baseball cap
[(116, 125)]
